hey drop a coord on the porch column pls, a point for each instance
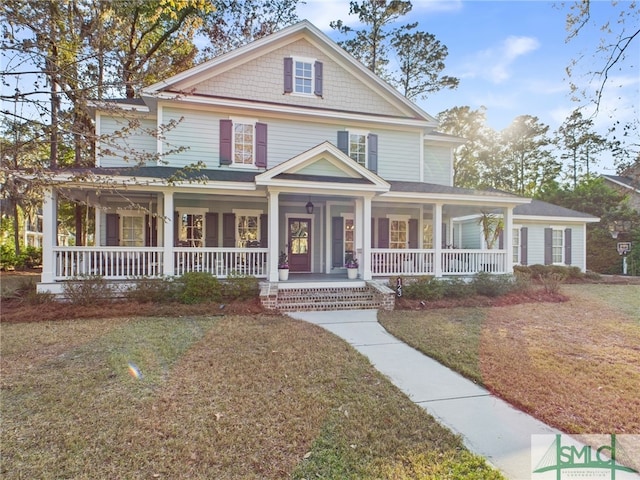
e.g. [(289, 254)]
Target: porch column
[(508, 238), (366, 246), (437, 239), (274, 222), (97, 222), (49, 234), (358, 226), (167, 250)]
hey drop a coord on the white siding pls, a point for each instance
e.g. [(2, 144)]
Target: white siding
[(470, 234), (536, 242), (399, 155), (437, 165), (323, 167), (262, 79), (127, 151)]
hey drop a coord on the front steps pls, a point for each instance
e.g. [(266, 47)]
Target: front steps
[(298, 297)]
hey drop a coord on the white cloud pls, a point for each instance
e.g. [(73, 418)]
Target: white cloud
[(494, 64)]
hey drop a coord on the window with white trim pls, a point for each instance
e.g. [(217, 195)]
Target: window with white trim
[(516, 245), (557, 246), (358, 147), (303, 76), (247, 227), (191, 229), (427, 235), (398, 233), (132, 230), (349, 238), (243, 142)]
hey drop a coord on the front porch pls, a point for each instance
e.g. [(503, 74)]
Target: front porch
[(127, 263)]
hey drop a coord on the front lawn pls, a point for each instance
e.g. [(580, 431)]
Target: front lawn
[(204, 397), (574, 365)]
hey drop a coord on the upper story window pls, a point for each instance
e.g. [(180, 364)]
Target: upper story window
[(243, 143), (303, 76), (243, 149), (360, 146)]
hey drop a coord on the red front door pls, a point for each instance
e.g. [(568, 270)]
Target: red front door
[(299, 235)]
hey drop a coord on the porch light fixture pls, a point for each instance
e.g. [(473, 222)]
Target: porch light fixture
[(309, 207)]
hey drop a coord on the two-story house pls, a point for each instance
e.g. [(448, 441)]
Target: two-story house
[(302, 150)]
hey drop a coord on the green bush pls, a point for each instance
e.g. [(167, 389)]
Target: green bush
[(456, 287), (30, 257), (241, 287), (198, 287), (8, 258), (423, 288), (87, 290), (492, 285), (153, 290)]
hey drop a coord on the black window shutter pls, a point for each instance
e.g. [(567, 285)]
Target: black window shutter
[(288, 75), (226, 141), (373, 230), (261, 145), (176, 228), (337, 242), (373, 152), (113, 230), (264, 230), (318, 79), (567, 246), (383, 233), (524, 246), (548, 246), (150, 231), (211, 234), (343, 141), (228, 230), (413, 233)]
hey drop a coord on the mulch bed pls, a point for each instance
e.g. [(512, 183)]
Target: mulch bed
[(482, 301)]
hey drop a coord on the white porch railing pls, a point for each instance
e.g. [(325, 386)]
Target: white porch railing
[(119, 263), (388, 262), (469, 262), (107, 262), (222, 262)]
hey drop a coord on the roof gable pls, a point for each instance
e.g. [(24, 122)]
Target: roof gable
[(243, 73), (321, 165)]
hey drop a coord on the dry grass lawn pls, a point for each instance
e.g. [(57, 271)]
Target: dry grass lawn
[(575, 365), (201, 397)]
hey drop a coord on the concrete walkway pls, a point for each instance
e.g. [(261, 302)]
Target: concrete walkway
[(489, 426)]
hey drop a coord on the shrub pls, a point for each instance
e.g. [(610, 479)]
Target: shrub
[(87, 290), (8, 258), (592, 275), (30, 257), (492, 285), (424, 288), (154, 290), (198, 287), (522, 281), (241, 287), (551, 282), (457, 288)]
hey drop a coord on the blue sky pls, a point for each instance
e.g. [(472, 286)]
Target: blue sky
[(510, 57)]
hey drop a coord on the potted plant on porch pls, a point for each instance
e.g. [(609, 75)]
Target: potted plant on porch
[(352, 268), (283, 267)]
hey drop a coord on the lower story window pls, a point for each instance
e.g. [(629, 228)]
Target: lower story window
[(349, 239), (557, 246), (132, 233), (248, 231), (427, 235), (191, 229), (398, 234), (516, 245)]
